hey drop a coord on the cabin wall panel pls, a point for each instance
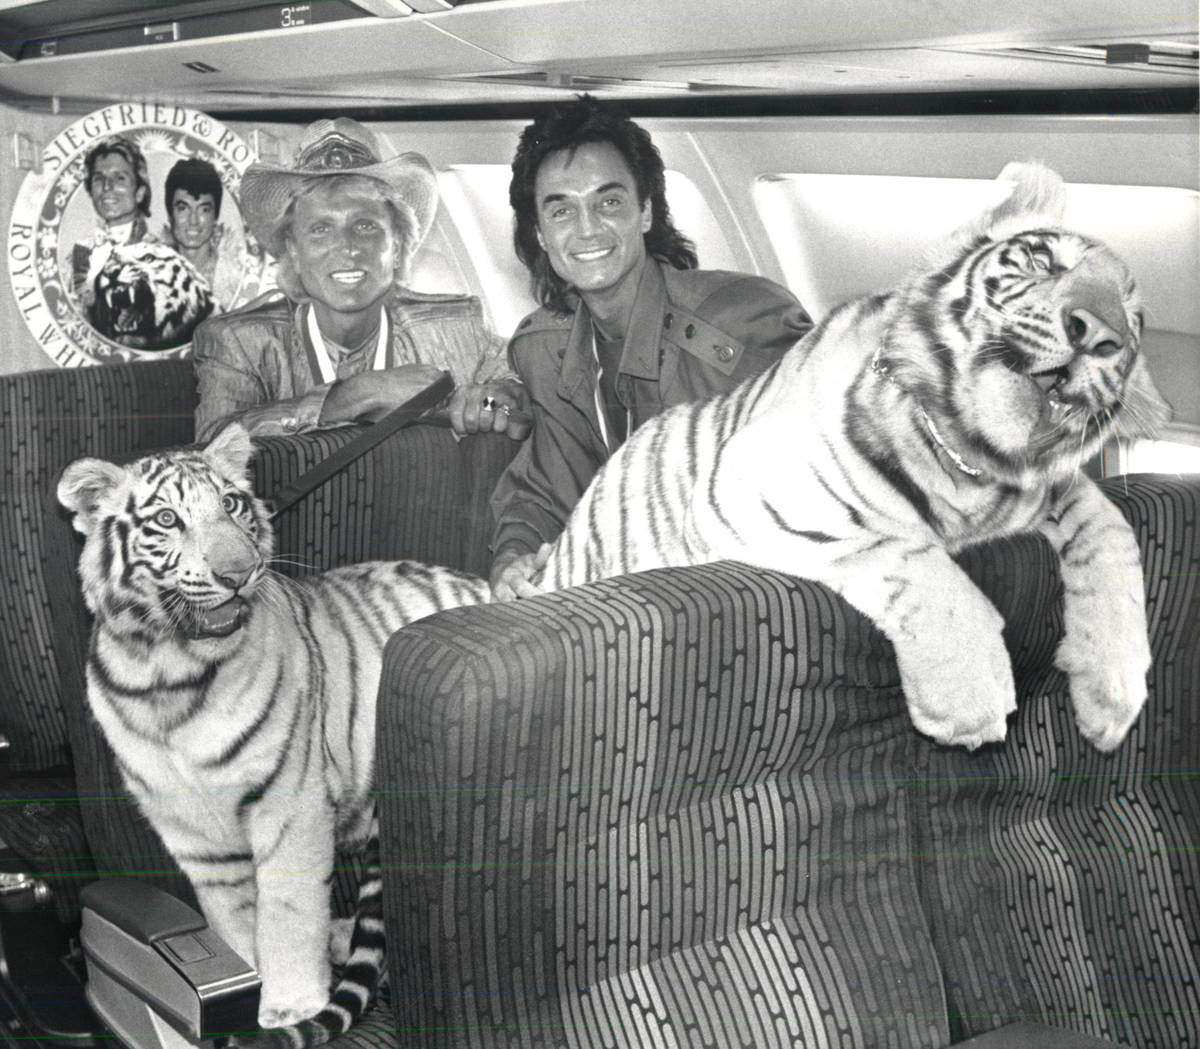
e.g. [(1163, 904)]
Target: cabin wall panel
[(723, 158)]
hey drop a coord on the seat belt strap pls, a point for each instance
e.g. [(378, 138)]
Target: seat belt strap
[(411, 411)]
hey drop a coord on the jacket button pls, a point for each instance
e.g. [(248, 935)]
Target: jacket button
[(689, 331), (668, 319), (724, 354)]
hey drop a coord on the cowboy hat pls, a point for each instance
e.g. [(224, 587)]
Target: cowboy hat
[(335, 147)]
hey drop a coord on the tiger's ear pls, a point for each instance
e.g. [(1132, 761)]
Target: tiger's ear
[(82, 487), (1037, 199), (231, 451)]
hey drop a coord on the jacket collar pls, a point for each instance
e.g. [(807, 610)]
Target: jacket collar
[(302, 346), (640, 357)]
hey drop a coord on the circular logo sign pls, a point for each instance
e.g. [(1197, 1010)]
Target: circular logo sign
[(56, 225)]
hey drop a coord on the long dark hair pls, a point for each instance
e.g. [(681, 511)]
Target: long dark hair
[(568, 126)]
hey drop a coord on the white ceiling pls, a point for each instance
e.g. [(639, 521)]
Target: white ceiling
[(529, 50)]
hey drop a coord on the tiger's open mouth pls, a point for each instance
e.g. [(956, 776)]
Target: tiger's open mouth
[(1051, 382), (1050, 378), (220, 621)]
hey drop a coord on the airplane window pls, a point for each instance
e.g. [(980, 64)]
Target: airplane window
[(476, 197), (693, 215), (1171, 457), (840, 236), (436, 267)]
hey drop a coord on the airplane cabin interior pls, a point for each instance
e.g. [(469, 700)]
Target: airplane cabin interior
[(678, 808)]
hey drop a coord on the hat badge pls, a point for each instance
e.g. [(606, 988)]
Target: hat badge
[(335, 152)]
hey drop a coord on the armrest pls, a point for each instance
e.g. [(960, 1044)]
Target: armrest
[(1035, 1036), (152, 958)]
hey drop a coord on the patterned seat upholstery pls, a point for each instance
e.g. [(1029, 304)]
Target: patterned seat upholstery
[(680, 808), (687, 808)]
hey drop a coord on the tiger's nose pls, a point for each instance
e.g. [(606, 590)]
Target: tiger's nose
[(235, 569), (233, 577), (1091, 334)]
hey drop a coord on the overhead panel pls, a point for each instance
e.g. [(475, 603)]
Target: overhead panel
[(224, 53)]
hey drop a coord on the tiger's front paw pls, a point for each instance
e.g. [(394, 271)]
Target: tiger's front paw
[(283, 1010), (1108, 685), (961, 697)]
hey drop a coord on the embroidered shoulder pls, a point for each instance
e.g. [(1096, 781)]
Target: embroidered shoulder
[(543, 320), (409, 306), (273, 301)]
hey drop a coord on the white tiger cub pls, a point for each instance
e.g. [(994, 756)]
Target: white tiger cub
[(240, 705), (905, 427)]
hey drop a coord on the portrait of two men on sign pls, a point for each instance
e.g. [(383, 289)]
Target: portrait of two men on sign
[(149, 288)]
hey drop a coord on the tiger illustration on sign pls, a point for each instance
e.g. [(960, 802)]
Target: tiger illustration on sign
[(240, 706), (905, 427), (148, 296)]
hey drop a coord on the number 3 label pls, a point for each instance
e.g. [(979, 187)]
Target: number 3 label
[(294, 15)]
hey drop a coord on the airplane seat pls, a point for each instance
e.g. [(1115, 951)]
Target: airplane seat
[(52, 418), (436, 268), (475, 199)]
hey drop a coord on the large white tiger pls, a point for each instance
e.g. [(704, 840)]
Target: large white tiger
[(905, 427), (240, 706)]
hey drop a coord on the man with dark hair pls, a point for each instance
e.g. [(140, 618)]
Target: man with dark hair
[(628, 325), (198, 178), (117, 180), (194, 193)]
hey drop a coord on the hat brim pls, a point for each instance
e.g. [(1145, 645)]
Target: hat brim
[(266, 192)]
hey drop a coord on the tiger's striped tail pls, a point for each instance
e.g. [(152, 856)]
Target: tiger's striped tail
[(359, 981)]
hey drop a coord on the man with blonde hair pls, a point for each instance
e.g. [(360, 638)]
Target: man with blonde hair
[(344, 340), (116, 179)]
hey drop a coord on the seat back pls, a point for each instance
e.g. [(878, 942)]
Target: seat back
[(51, 418)]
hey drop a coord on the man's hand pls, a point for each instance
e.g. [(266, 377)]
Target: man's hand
[(369, 396), (491, 407), (513, 570)]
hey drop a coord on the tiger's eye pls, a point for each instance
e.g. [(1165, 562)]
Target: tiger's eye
[(166, 518)]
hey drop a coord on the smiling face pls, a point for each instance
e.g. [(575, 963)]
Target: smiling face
[(591, 225), (192, 219), (114, 189), (345, 250)]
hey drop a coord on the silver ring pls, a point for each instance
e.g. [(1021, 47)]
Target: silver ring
[(489, 404)]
